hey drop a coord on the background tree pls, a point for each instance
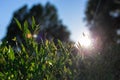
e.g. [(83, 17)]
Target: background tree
[(103, 16), (46, 16)]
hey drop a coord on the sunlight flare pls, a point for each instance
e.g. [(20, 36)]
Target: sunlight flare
[(85, 40)]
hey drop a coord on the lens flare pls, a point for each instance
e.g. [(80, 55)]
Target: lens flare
[(85, 40)]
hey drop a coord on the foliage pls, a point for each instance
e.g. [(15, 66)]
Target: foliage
[(36, 61), (103, 17), (50, 61)]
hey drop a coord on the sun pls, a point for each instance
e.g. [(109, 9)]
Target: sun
[(85, 40)]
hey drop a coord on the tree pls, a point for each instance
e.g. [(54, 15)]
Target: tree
[(46, 16), (103, 16)]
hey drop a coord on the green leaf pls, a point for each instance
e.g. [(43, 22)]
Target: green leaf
[(43, 67), (22, 61), (37, 29), (1, 74), (23, 48), (11, 53), (2, 59), (65, 69), (14, 39), (18, 23), (26, 24), (59, 42), (47, 43), (26, 30), (33, 22)]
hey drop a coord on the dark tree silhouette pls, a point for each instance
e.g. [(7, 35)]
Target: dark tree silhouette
[(46, 16), (103, 16)]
